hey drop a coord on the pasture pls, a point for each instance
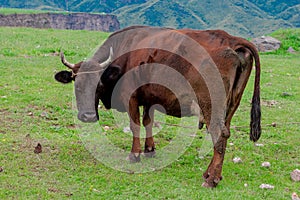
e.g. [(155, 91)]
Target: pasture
[(34, 109)]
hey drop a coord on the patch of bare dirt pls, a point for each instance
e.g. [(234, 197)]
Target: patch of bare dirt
[(269, 103)]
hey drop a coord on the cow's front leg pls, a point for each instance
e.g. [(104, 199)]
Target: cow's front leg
[(148, 118), (213, 174), (134, 115)]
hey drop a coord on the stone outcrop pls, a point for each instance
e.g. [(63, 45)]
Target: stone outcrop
[(75, 21), (266, 43), (291, 50), (295, 175)]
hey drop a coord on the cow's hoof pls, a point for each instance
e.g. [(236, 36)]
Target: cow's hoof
[(149, 152), (207, 185), (200, 125), (205, 175), (210, 182), (134, 157)]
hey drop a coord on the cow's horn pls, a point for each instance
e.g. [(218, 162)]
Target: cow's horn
[(109, 59), (65, 62)]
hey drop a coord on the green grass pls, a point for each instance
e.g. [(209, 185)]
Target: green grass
[(36, 109), (288, 38), (9, 11)]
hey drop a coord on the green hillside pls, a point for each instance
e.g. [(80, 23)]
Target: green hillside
[(288, 38)]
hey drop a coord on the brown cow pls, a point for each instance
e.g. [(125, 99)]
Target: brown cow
[(185, 72)]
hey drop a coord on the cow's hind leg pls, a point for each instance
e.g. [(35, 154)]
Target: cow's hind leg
[(148, 118), (213, 174), (134, 115)]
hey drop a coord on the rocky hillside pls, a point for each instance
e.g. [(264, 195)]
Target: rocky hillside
[(75, 21)]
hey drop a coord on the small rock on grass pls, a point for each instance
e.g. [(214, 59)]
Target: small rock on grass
[(266, 164), (44, 115), (126, 130), (237, 160), (295, 175), (274, 124), (106, 128), (295, 196), (266, 186), (291, 50), (259, 145), (286, 94)]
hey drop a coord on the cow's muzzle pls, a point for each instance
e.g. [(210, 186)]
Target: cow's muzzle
[(88, 117)]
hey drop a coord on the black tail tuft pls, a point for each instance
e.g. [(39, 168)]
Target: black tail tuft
[(255, 126)]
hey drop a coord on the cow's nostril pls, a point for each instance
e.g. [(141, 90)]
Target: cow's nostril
[(88, 117)]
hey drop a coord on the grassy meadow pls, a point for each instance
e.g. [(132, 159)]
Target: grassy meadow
[(34, 108)]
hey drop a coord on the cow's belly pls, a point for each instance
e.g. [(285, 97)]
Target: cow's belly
[(179, 105)]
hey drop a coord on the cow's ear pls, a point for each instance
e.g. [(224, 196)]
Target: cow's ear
[(111, 75), (64, 77)]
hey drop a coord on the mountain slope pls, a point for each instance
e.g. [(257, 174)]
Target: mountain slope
[(275, 7), (244, 18), (292, 15), (238, 18), (159, 13), (71, 5)]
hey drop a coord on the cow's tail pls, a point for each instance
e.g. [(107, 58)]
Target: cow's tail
[(255, 123)]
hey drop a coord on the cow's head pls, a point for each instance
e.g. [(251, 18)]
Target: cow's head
[(90, 78)]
